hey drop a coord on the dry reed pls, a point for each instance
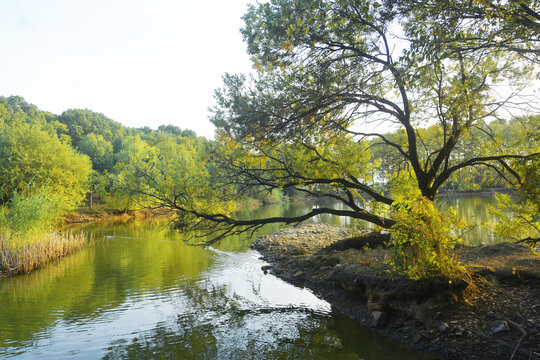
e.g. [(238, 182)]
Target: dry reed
[(18, 255)]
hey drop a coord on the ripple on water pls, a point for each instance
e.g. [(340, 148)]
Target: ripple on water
[(140, 298)]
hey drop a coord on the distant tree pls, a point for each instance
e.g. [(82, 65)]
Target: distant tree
[(99, 150), (118, 190), (189, 134), (170, 129), (15, 110), (145, 130), (83, 122), (29, 155)]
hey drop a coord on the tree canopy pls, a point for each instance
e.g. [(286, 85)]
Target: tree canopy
[(372, 103), (69, 154), (32, 155)]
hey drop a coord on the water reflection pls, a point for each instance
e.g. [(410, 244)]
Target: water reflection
[(140, 292), (475, 210), (215, 322)]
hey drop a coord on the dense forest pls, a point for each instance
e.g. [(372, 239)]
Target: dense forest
[(81, 155)]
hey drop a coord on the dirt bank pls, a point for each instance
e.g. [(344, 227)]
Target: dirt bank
[(500, 320)]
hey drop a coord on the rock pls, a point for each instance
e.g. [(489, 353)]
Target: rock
[(443, 327), (298, 274), (379, 318), (416, 338), (499, 326), (265, 268)]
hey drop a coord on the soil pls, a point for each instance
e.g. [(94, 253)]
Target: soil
[(494, 316)]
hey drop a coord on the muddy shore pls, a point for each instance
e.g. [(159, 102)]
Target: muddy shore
[(500, 319)]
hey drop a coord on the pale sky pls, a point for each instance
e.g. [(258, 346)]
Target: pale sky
[(139, 62)]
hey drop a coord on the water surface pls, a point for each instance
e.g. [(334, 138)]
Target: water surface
[(139, 292)]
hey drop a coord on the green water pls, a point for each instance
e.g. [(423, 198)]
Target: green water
[(140, 293)]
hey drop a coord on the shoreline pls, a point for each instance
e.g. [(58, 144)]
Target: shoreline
[(448, 321), (84, 217)]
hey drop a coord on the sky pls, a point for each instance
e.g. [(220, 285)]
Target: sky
[(139, 62)]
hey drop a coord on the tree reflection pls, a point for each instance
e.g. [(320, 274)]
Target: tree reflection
[(213, 325)]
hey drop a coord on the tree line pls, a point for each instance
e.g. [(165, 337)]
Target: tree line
[(80, 152)]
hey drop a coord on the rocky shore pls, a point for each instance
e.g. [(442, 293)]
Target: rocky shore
[(498, 317)]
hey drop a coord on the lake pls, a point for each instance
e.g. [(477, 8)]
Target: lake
[(139, 292)]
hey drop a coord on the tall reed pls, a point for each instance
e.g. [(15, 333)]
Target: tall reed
[(22, 255), (26, 237)]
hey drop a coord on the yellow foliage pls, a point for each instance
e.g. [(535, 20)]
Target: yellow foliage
[(423, 240)]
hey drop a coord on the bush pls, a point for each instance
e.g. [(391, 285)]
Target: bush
[(30, 211), (423, 240), (26, 237)]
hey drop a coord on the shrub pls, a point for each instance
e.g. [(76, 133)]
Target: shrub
[(423, 240), (26, 237), (29, 211)]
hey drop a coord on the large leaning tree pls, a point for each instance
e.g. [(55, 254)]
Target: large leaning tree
[(368, 103)]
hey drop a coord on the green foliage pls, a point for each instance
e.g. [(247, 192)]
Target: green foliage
[(492, 26), (30, 211), (30, 154), (518, 217), (80, 123), (117, 187), (176, 131), (423, 240), (175, 171), (99, 150), (516, 220), (14, 110), (42, 148)]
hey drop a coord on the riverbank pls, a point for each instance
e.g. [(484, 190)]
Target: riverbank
[(83, 216), (500, 319)]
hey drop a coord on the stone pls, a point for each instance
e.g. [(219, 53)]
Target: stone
[(499, 326), (265, 268), (416, 338), (298, 274), (443, 327), (379, 318)]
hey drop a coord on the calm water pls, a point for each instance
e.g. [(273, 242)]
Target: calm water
[(140, 292)]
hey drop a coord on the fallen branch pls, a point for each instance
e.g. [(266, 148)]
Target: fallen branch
[(524, 334)]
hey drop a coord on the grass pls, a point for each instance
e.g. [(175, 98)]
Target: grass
[(23, 253)]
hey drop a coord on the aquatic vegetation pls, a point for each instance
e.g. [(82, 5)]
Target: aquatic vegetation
[(27, 239), (19, 253)]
